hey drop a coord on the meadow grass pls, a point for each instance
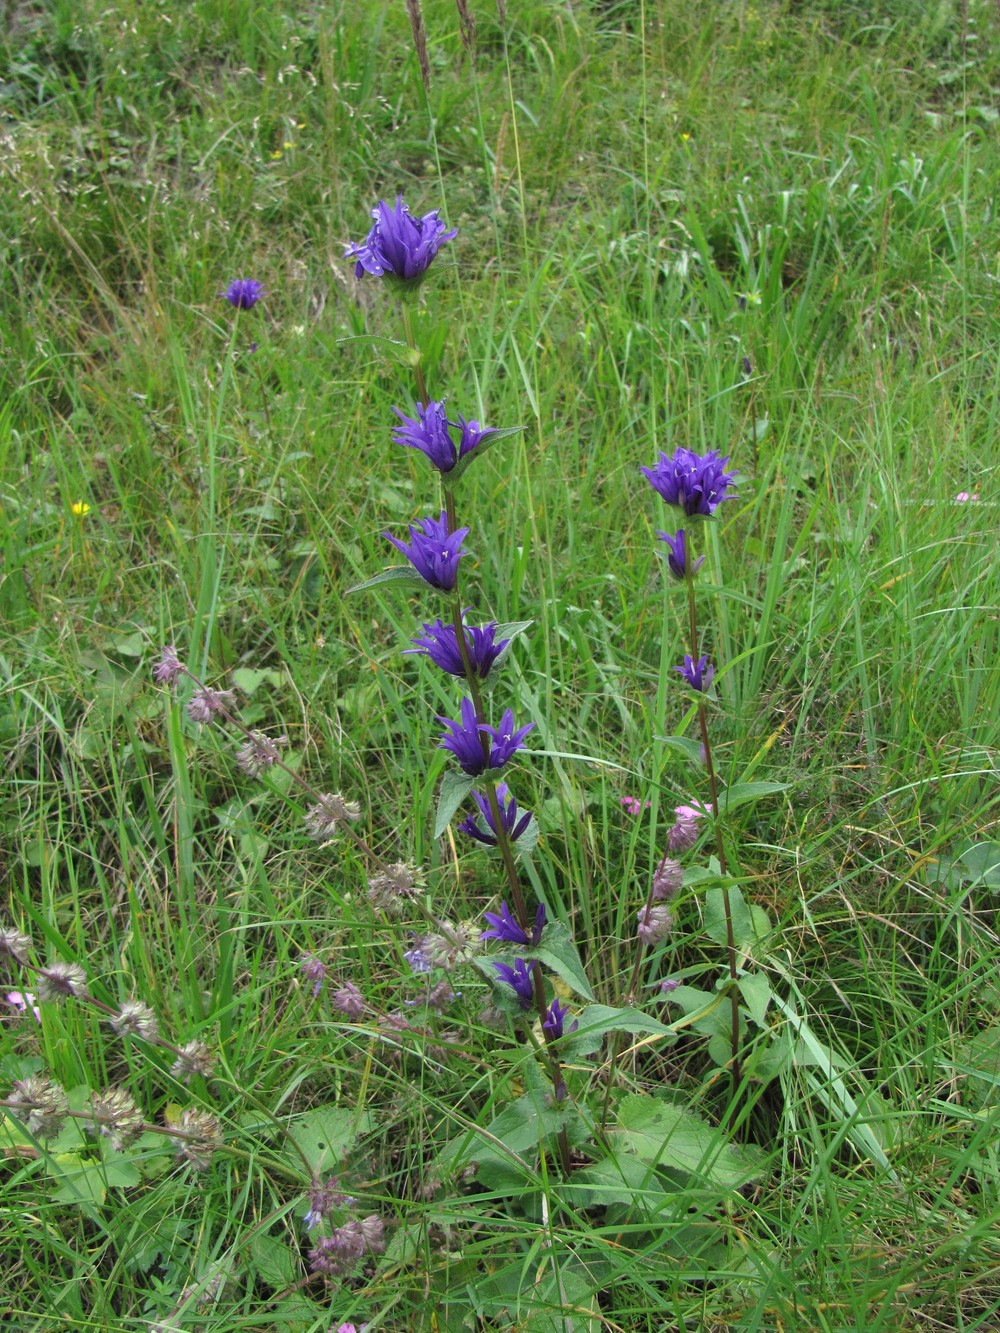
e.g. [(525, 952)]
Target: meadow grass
[(765, 228)]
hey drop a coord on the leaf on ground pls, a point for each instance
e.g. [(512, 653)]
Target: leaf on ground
[(672, 1136)]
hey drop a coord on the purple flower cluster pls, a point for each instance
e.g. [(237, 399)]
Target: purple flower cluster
[(441, 644), (429, 433), (513, 821), (433, 551), (476, 745), (243, 293), (696, 483), (399, 245)]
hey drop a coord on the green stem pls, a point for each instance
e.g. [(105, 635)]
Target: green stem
[(734, 998)]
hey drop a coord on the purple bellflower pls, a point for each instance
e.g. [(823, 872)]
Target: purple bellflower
[(464, 740), (429, 432), (433, 551), (699, 675), (514, 821), (243, 293), (440, 644), (553, 1024), (696, 483), (519, 977), (677, 559), (505, 928), (399, 245)]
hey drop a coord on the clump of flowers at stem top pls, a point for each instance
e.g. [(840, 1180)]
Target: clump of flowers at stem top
[(695, 483), (433, 551), (463, 740), (243, 293), (399, 245), (429, 432), (513, 821), (441, 644)]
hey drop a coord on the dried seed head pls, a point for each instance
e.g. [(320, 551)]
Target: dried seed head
[(14, 944), (668, 879), (330, 811), (259, 754), (654, 924), (169, 666), (195, 1057), (115, 1115), (205, 703), (323, 1199), (202, 1135), (313, 970), (454, 945), (391, 888), (60, 979), (349, 1001), (45, 1102), (135, 1019)]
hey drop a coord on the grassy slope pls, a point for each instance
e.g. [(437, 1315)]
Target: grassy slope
[(617, 188)]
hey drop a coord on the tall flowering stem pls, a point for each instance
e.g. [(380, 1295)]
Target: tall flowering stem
[(734, 997)]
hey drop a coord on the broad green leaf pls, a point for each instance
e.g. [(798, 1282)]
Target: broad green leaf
[(704, 1011), (397, 574), (598, 1019), (756, 991), (742, 793), (685, 745), (562, 1302), (750, 925), (558, 952), (672, 1136), (272, 1260), (455, 787), (250, 679), (325, 1133), (618, 1180)]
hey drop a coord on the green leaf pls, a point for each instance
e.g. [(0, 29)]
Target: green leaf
[(397, 574), (742, 793), (463, 464), (750, 925), (672, 1136), (685, 745), (325, 1133), (558, 952), (455, 787), (704, 1011), (623, 1179), (597, 1019), (250, 679), (272, 1260), (756, 991)]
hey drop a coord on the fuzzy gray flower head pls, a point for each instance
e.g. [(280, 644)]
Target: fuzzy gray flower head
[(14, 944), (115, 1116), (258, 754), (392, 888), (199, 1135), (60, 979), (337, 1254), (45, 1102), (349, 1001), (168, 667), (205, 704), (653, 924), (330, 811), (454, 945), (193, 1058), (135, 1019), (668, 879)]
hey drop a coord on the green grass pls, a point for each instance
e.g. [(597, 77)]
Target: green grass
[(621, 175)]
